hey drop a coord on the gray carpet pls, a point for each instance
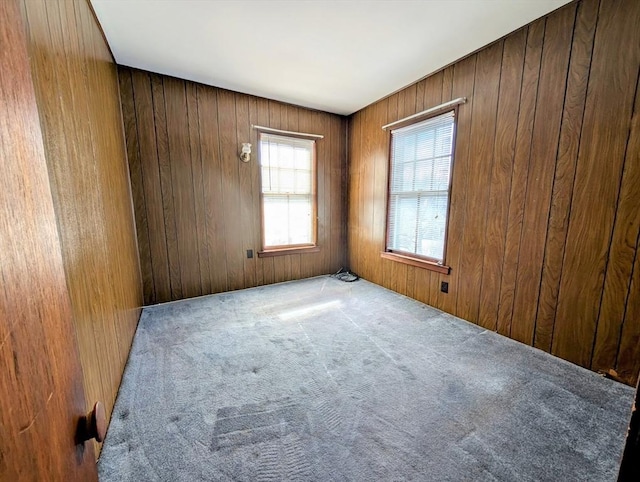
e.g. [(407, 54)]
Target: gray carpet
[(324, 380)]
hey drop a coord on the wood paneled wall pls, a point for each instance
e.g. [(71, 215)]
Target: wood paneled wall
[(76, 86), (41, 396), (197, 206), (545, 202)]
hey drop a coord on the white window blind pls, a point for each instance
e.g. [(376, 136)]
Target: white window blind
[(419, 190), (287, 190)]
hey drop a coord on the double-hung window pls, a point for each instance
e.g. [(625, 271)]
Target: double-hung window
[(288, 192), (421, 161)]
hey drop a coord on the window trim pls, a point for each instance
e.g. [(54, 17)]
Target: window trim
[(414, 259), (269, 251)]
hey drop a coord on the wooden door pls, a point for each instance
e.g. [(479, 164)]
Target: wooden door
[(41, 393)]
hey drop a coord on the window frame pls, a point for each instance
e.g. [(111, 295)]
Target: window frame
[(269, 251), (413, 259)]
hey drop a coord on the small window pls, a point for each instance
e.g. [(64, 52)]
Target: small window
[(288, 192), (421, 158)]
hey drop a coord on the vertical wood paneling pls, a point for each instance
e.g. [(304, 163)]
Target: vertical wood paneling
[(624, 245), (605, 135), (628, 362), (530, 76), (565, 170), (483, 125), (212, 186), (500, 186), (355, 164), (544, 217), (151, 183), (544, 148), (367, 173), (135, 171), (463, 84), (230, 189), (78, 100), (380, 164), (246, 195), (164, 163), (202, 240), (628, 359), (338, 215), (183, 214), (40, 374), (204, 209), (324, 213)]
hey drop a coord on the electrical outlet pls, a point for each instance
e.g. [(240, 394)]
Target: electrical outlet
[(249, 253), (444, 286)]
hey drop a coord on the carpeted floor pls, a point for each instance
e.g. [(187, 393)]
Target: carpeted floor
[(324, 380)]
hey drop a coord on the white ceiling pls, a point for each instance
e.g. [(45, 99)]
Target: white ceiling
[(333, 55)]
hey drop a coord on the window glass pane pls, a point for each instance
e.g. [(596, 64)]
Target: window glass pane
[(441, 174), (421, 157), (407, 176), (300, 213), (286, 180), (303, 182), (266, 179), (287, 220), (424, 176), (287, 186), (276, 217), (425, 144), (405, 229), (273, 154), (302, 158), (285, 156), (432, 226)]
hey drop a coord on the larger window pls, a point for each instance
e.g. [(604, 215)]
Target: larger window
[(421, 158), (288, 192)]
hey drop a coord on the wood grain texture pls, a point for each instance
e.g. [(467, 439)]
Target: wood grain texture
[(463, 83), (609, 329), (544, 147), (135, 171), (203, 211), (502, 170), (570, 132), (355, 128), (180, 163), (41, 389), (482, 138), (77, 93), (530, 77), (543, 224), (624, 245), (153, 207), (605, 135)]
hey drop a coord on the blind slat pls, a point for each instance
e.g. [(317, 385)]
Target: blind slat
[(287, 177), (419, 189)]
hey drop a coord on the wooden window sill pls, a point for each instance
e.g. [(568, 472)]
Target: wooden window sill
[(417, 262), (284, 251)]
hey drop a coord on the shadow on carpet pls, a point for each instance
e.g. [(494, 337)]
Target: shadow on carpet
[(323, 380)]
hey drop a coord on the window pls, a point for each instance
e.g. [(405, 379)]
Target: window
[(421, 156), (288, 192)]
